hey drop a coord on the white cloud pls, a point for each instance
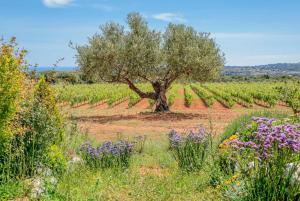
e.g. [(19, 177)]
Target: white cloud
[(56, 3), (169, 17)]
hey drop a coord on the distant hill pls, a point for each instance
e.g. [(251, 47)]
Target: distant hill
[(58, 68), (268, 69)]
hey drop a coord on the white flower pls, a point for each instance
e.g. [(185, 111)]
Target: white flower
[(296, 174), (38, 187), (251, 165)]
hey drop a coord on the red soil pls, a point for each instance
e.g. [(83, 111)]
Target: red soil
[(179, 104), (238, 106), (142, 104), (83, 105), (197, 104), (181, 92), (122, 104), (218, 106), (101, 105)]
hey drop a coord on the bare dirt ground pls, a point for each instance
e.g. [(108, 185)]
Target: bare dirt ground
[(109, 123)]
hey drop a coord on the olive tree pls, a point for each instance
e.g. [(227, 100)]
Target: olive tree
[(139, 54)]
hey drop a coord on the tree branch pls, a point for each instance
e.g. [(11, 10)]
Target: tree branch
[(138, 91), (144, 77), (170, 80)]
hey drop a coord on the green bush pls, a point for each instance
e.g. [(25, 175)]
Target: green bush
[(290, 93), (38, 127), (188, 98), (11, 78), (56, 160), (171, 99), (43, 127)]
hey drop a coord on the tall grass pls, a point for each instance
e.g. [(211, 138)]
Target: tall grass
[(192, 150)]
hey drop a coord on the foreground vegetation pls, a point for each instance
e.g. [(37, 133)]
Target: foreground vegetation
[(170, 170)]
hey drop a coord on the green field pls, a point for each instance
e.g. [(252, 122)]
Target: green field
[(229, 94)]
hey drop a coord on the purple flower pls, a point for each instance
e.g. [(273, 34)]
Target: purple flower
[(174, 138), (197, 136), (107, 148), (269, 138)]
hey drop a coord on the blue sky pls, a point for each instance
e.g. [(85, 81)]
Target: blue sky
[(249, 32)]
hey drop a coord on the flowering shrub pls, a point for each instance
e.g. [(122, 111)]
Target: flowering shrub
[(225, 159), (267, 139), (190, 151), (107, 155), (30, 122), (263, 151), (11, 81)]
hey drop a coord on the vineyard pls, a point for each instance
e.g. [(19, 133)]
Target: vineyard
[(266, 94)]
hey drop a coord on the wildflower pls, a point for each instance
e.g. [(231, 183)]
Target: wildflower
[(269, 137), (190, 151), (174, 138), (233, 137), (226, 143), (119, 151), (232, 179)]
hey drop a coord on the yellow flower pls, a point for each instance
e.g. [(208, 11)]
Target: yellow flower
[(227, 182), (233, 137), (224, 144), (232, 179)]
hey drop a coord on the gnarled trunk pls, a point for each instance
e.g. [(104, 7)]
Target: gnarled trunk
[(159, 95), (161, 104)]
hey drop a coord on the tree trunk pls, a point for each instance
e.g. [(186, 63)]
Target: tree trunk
[(159, 95), (161, 104)]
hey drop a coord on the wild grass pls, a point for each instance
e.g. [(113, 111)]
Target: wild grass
[(152, 175)]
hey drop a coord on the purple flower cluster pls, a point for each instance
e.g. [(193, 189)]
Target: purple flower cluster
[(174, 138), (108, 148), (197, 136), (267, 138)]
